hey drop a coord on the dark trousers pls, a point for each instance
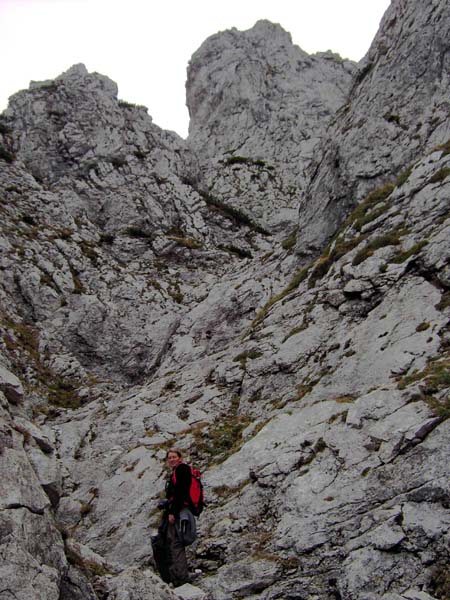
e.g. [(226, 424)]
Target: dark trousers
[(170, 555), (178, 568)]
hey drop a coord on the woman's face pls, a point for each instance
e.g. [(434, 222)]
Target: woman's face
[(173, 459)]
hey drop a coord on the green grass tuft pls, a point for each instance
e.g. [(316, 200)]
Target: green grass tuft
[(289, 242), (445, 148), (221, 438), (233, 214), (434, 379), (186, 242), (440, 175), (388, 239), (415, 249), (246, 355)]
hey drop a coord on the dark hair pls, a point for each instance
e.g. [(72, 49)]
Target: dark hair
[(174, 451)]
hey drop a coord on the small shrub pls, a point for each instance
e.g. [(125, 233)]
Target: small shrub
[(155, 284), (296, 280), (139, 154), (125, 104), (423, 326), (22, 340), (381, 193)]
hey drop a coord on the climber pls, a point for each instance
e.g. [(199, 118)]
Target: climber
[(169, 546)]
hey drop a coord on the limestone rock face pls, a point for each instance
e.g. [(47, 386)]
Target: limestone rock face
[(259, 105), (157, 293), (110, 235), (32, 551), (397, 110)]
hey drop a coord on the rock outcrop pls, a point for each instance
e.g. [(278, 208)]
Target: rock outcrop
[(398, 112), (271, 295), (259, 106)]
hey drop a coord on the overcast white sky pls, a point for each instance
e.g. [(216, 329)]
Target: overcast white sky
[(145, 45)]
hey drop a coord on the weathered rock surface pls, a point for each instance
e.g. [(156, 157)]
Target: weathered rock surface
[(259, 106), (398, 111), (146, 301), (31, 548)]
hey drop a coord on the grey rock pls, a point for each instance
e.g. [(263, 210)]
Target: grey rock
[(75, 586), (413, 594), (260, 81), (159, 293), (33, 554), (190, 592), (135, 584), (391, 117), (243, 578), (11, 386)]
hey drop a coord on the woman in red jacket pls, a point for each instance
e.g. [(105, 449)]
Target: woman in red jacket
[(173, 566)]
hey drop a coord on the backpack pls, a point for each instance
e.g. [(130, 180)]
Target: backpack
[(186, 527), (196, 496)]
